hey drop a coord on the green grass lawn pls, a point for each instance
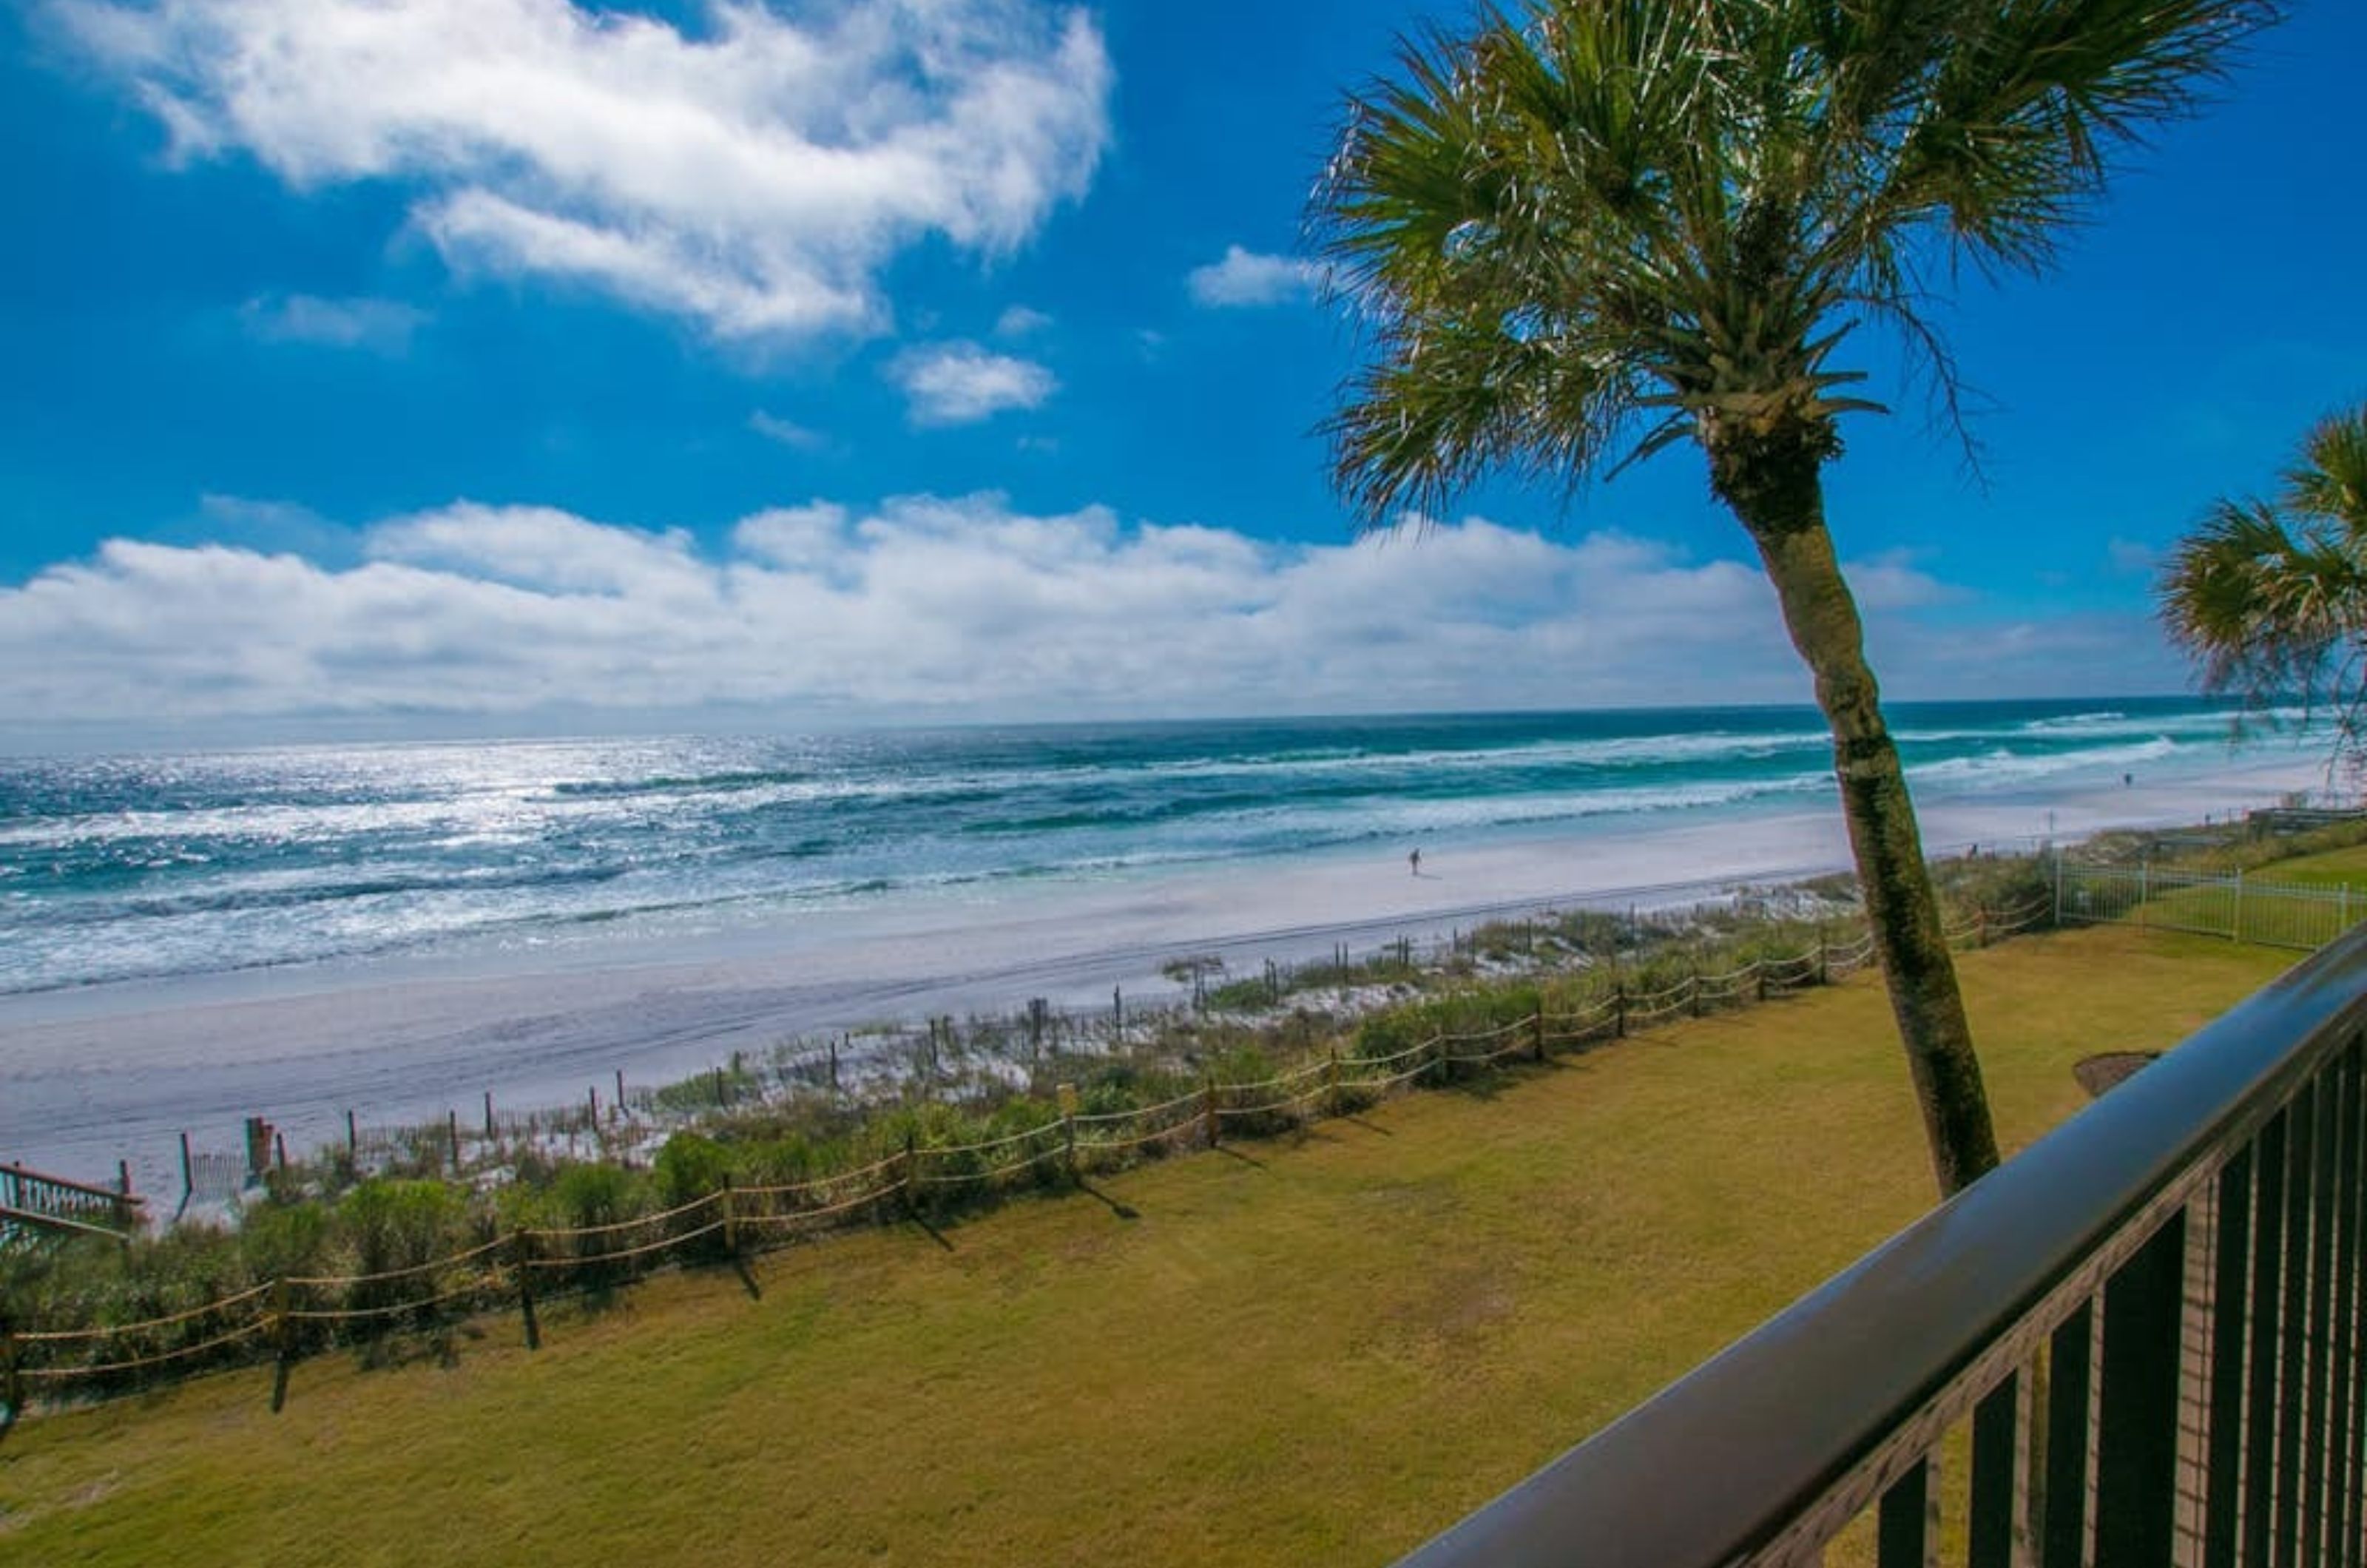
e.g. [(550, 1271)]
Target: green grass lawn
[(2332, 868), (1316, 1350), (2217, 904)]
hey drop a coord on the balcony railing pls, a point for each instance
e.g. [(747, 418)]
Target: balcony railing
[(2136, 1343)]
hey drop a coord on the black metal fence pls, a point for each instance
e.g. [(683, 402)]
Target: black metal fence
[(2136, 1343)]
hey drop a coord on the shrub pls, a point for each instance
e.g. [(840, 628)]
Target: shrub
[(690, 1165), (276, 1239), (392, 1223)]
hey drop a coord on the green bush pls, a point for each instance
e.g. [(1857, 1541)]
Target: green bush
[(690, 1166), (586, 1194), (391, 1224), (276, 1239)]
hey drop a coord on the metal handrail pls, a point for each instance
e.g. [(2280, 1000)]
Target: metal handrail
[(1727, 1461)]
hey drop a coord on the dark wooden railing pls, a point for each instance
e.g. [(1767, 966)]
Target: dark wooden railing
[(2136, 1343), (33, 1204)]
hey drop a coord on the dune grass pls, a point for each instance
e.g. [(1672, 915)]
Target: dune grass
[(1313, 1350)]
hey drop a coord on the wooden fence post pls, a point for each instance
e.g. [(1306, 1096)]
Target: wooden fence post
[(1761, 968), (616, 1106), (488, 1116), (905, 1178), (1693, 990), (188, 1173), (1331, 1084), (1619, 1026), (283, 1334), (1824, 960), (452, 1124), (1980, 925), (1537, 1022), (1209, 1108), (730, 1219), (353, 1139), (12, 1379), (522, 1259), (1067, 1095)]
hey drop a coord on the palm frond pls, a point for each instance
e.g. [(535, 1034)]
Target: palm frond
[(1650, 214), (2007, 140), (2260, 606), (2329, 482)]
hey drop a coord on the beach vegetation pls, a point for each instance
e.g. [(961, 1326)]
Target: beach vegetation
[(2269, 596), (586, 1194), (691, 1166), (392, 1223), (1581, 231), (277, 1238)]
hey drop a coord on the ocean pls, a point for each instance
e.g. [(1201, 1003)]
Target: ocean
[(125, 867)]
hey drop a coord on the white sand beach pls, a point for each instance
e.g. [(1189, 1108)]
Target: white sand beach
[(94, 1074)]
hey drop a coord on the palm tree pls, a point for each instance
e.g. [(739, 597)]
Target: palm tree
[(2269, 598), (1587, 231)]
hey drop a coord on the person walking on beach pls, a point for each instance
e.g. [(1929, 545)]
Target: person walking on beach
[(1414, 860)]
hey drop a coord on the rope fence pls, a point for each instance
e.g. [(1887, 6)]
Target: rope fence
[(530, 1263)]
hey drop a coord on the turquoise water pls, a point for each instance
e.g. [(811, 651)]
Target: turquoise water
[(117, 867)]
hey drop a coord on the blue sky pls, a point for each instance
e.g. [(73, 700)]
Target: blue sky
[(470, 366)]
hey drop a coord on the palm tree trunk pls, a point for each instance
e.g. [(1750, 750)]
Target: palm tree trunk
[(1786, 519)]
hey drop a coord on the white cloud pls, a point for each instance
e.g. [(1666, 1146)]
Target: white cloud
[(800, 538), (2132, 558), (1890, 582), (1019, 321), (381, 326), (960, 383), (929, 607), (1247, 277), (789, 432), (754, 178)]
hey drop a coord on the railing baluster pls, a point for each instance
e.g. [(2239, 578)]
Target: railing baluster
[(2322, 1329), (2230, 1269), (2267, 1328), (2341, 1519), (1907, 1523), (2137, 1415), (2063, 1539), (1999, 1501), (2353, 1436), (2301, 1165)]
